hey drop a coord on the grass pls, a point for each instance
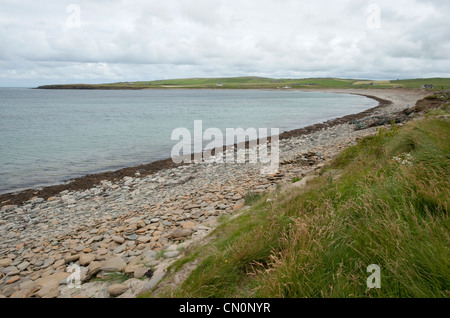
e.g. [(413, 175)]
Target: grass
[(439, 83), (263, 83), (318, 241), (295, 180), (251, 198)]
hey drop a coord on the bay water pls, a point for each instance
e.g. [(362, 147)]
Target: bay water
[(50, 136)]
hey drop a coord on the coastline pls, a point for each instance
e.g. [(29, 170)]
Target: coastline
[(88, 181), (137, 226)]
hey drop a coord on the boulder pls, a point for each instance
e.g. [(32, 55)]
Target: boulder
[(116, 290)]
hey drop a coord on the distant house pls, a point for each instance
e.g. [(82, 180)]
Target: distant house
[(219, 84), (287, 87), (428, 86)]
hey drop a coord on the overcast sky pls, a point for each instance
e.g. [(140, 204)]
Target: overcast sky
[(43, 42)]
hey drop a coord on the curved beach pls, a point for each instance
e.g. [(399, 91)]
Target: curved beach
[(120, 220)]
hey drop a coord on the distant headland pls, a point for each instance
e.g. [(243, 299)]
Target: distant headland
[(263, 83)]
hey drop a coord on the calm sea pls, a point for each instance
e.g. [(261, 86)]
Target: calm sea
[(49, 136)]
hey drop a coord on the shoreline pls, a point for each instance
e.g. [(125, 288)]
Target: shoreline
[(90, 180), (137, 226)]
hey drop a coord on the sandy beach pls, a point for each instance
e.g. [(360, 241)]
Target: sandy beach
[(138, 220)]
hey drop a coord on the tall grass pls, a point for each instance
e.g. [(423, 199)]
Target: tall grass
[(391, 214), (319, 242)]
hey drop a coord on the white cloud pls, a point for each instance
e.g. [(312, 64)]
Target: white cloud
[(145, 40)]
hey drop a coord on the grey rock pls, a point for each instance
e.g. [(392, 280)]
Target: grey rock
[(148, 256), (11, 271), (172, 254)]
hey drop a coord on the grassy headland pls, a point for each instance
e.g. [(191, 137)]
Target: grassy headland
[(383, 201), (261, 83)]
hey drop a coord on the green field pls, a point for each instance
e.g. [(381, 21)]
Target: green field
[(262, 83)]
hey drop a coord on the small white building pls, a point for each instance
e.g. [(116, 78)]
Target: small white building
[(219, 84)]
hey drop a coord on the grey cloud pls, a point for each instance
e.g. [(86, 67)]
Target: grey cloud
[(145, 40)]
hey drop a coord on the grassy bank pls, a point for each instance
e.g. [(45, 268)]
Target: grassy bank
[(261, 83), (384, 202)]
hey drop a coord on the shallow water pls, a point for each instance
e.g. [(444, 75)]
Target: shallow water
[(48, 136)]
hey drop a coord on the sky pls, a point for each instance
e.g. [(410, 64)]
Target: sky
[(105, 41)]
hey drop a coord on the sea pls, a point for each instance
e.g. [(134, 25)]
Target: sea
[(50, 136)]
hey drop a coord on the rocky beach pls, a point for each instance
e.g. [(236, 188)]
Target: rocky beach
[(121, 231)]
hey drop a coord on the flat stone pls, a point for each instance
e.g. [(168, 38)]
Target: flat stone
[(80, 248), (48, 262), (48, 292), (120, 249), (134, 288), (143, 239), (114, 264), (187, 225), (86, 259), (180, 233), (28, 286), (140, 272), (102, 251), (87, 290), (148, 256), (19, 294), (94, 268), (132, 237), (52, 280), (118, 239), (23, 266), (116, 290), (5, 262), (130, 269), (71, 258), (8, 291), (12, 280), (171, 254), (11, 270), (59, 263)]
